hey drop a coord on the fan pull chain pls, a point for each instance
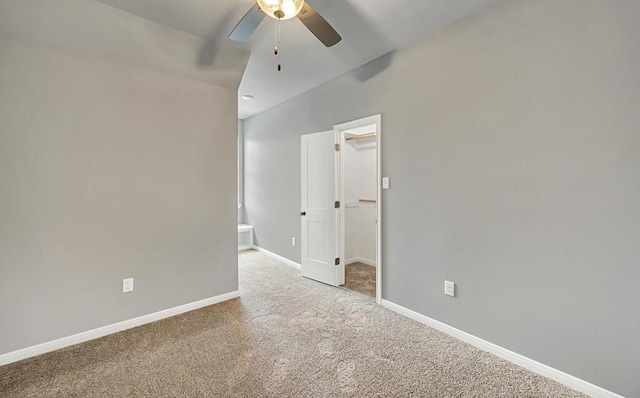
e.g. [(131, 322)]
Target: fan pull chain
[(276, 49)]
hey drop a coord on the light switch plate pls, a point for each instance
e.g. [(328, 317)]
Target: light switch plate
[(127, 285), (385, 182), (449, 288)]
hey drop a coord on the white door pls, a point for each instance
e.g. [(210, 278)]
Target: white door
[(319, 215)]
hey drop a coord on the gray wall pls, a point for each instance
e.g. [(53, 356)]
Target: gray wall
[(109, 171), (512, 142)]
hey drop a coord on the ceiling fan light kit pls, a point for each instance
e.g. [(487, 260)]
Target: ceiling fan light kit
[(281, 9)]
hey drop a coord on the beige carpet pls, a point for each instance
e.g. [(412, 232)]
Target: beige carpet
[(361, 278), (286, 337)]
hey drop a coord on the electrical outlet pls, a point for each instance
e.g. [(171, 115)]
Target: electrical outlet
[(449, 288), (293, 241), (127, 285)]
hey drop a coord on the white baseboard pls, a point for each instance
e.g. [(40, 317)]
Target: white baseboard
[(82, 337), (360, 260), (527, 363), (278, 257)]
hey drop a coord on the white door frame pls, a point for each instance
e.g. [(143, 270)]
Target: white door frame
[(340, 132)]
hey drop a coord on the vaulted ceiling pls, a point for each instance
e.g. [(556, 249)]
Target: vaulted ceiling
[(190, 38)]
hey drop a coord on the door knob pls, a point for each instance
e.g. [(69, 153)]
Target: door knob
[(303, 213)]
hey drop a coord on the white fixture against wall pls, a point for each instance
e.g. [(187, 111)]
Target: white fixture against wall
[(127, 285), (245, 237), (449, 288), (293, 241)]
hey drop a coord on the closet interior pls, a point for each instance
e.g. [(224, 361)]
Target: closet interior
[(359, 167)]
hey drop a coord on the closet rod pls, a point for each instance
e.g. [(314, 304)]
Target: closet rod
[(367, 200), (361, 136)]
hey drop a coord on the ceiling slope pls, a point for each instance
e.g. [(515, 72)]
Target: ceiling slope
[(190, 38)]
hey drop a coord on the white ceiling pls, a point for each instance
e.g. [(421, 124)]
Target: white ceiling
[(189, 37)]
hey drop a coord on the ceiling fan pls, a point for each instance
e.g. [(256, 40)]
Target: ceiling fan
[(281, 10)]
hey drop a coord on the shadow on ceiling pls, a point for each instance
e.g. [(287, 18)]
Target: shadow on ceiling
[(362, 39), (374, 68), (220, 53)]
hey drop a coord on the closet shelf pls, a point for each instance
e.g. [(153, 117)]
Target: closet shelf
[(361, 136)]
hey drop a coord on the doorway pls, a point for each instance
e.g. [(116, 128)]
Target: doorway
[(360, 194), (330, 201)]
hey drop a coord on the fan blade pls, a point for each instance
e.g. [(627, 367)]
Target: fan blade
[(247, 24), (319, 26)]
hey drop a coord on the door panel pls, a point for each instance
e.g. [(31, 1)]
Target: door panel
[(317, 233), (319, 224)]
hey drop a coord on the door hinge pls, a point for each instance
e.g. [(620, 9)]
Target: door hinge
[(337, 147), (338, 261), (337, 204)]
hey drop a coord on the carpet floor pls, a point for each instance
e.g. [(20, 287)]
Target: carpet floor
[(287, 336), (360, 278)]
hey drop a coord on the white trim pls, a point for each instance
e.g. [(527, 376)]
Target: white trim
[(360, 260), (284, 260), (527, 363), (340, 129), (82, 337)]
